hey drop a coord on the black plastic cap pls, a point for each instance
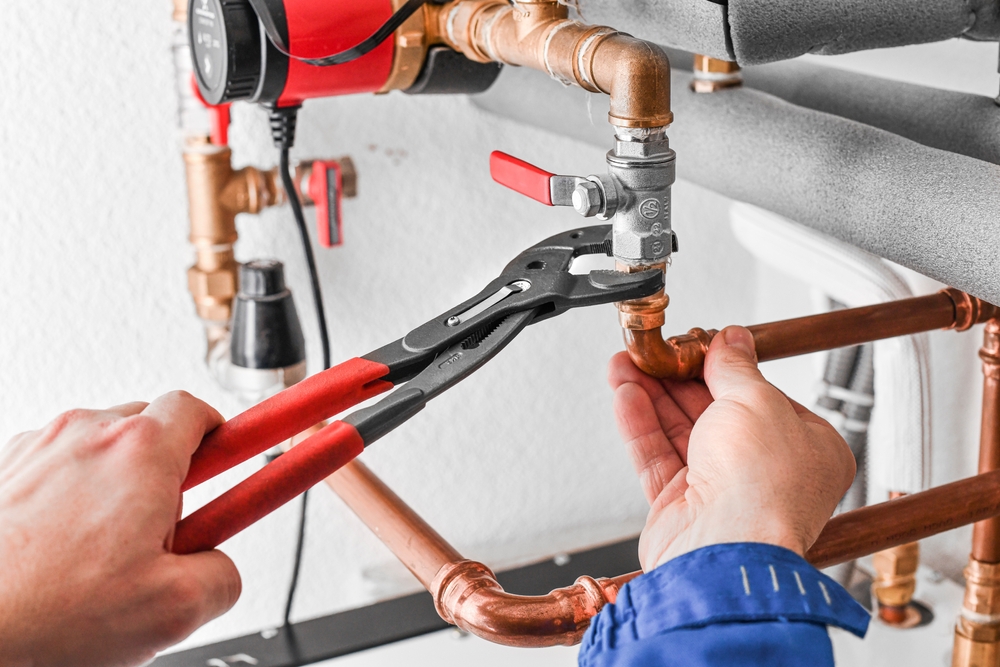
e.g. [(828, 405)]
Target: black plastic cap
[(226, 42), (265, 329), (262, 277), (447, 72)]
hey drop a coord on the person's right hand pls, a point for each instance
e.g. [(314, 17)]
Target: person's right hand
[(88, 506), (730, 459)]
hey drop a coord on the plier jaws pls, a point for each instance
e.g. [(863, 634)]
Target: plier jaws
[(432, 358)]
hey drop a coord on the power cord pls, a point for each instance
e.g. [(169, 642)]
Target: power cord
[(283, 120), (346, 56)]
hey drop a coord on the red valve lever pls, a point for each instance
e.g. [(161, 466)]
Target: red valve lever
[(522, 177), (218, 115), (326, 188)]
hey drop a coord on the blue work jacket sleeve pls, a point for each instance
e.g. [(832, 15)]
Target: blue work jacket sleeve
[(741, 604)]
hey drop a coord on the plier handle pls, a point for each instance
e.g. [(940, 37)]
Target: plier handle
[(435, 356)]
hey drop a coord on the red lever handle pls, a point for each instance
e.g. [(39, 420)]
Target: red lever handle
[(521, 177), (218, 115), (326, 187), (284, 415), (272, 486)]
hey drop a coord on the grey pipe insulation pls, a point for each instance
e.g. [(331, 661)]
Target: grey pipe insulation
[(931, 210), (753, 32)]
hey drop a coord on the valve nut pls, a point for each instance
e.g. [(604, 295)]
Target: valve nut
[(587, 199)]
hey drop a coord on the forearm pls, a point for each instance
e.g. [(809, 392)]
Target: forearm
[(746, 604)]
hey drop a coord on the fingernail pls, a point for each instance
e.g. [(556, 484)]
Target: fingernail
[(739, 338)]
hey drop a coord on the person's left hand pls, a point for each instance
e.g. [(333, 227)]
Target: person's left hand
[(88, 506)]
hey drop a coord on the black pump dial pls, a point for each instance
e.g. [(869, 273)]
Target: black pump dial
[(225, 39)]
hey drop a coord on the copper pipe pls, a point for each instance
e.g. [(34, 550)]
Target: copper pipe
[(977, 632), (466, 593), (864, 531), (681, 357), (538, 34), (986, 534)]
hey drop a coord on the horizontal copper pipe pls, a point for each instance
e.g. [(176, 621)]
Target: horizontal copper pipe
[(682, 357), (864, 531), (467, 594)]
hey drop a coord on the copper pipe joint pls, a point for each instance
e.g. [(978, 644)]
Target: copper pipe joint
[(467, 595), (977, 633), (895, 583), (711, 75), (538, 34)]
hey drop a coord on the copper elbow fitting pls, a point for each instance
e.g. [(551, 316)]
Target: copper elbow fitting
[(467, 595), (635, 73)]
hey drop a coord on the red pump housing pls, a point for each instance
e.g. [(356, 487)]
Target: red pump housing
[(235, 59)]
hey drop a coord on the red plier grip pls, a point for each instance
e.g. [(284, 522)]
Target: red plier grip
[(265, 425), (301, 468), (284, 415)]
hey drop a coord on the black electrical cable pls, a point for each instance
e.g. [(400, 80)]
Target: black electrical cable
[(346, 56), (283, 122)]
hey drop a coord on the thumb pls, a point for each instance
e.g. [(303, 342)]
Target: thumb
[(213, 585), (731, 365)]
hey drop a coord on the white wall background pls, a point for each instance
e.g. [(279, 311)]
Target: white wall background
[(521, 461)]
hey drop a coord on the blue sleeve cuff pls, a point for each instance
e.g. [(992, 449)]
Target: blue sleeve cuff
[(724, 583)]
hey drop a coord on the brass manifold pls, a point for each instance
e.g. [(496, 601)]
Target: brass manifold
[(217, 193)]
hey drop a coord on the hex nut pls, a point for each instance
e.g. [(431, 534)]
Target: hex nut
[(587, 199)]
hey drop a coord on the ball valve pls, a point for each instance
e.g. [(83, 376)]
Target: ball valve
[(634, 194)]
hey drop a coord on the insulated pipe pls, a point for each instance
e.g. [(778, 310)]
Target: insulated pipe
[(681, 357), (753, 31), (467, 594), (929, 210)]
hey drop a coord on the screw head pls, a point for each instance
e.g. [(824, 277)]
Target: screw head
[(587, 199)]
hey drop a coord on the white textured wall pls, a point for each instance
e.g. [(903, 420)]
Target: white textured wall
[(519, 462)]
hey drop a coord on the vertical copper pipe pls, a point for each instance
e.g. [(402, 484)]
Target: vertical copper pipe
[(986, 534), (977, 632)]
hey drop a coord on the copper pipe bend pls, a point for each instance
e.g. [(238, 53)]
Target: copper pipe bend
[(467, 595)]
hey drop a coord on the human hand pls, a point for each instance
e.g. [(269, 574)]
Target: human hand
[(730, 459), (88, 506)]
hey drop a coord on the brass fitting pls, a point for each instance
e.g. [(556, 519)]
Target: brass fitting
[(410, 49), (539, 34), (895, 583), (977, 633), (711, 74), (216, 194)]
